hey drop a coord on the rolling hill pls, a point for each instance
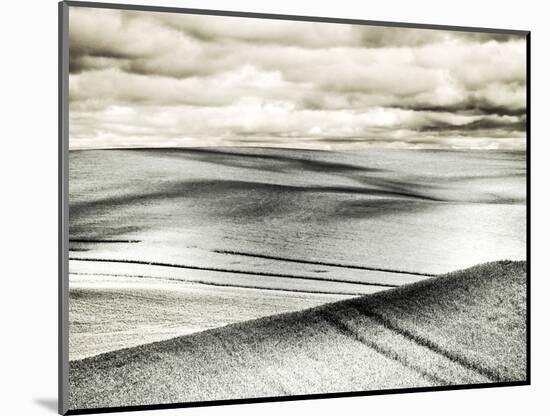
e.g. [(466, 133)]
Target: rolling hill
[(464, 327)]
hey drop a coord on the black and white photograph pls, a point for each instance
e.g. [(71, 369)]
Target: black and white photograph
[(263, 208)]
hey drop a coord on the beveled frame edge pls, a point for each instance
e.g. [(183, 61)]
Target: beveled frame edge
[(271, 16), (63, 205), (63, 208)]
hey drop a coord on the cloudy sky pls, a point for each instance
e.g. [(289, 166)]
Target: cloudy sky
[(161, 79)]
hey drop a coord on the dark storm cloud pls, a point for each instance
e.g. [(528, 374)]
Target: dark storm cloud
[(141, 78), (471, 106), (489, 126)]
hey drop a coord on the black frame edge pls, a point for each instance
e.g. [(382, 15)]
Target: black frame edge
[(528, 195)]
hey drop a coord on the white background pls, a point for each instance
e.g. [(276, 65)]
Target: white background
[(28, 233)]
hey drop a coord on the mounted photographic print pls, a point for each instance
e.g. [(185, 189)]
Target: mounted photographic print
[(262, 207)]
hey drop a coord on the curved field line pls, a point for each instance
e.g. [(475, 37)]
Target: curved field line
[(224, 270), (207, 283), (322, 263), (100, 241), (431, 345), (348, 331)]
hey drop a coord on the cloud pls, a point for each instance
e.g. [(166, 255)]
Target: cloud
[(139, 78)]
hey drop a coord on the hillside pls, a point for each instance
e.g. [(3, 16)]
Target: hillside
[(461, 328)]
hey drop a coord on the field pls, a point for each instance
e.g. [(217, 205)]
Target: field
[(217, 273), (464, 327)]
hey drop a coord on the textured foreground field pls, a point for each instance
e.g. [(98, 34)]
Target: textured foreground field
[(462, 328)]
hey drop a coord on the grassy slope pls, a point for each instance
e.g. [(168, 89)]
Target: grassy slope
[(465, 327), (108, 313)]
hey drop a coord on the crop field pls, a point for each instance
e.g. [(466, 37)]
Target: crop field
[(466, 327), (170, 242)]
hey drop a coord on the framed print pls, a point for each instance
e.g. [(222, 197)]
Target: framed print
[(263, 207)]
